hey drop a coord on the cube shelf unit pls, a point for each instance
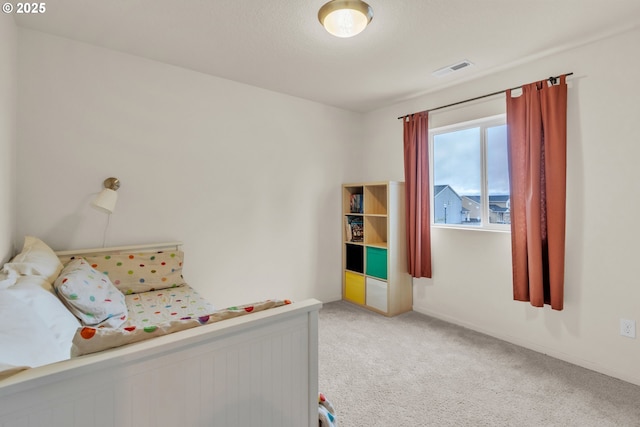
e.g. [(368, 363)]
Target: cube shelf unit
[(374, 247)]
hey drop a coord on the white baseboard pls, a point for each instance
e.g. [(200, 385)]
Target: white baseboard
[(624, 376)]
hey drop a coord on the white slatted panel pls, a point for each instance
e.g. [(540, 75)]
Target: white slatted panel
[(257, 384), (260, 377), (18, 422), (63, 414), (85, 411)]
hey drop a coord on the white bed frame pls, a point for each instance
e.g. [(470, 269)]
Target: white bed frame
[(255, 370)]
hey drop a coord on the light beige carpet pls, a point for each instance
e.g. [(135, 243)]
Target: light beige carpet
[(413, 370)]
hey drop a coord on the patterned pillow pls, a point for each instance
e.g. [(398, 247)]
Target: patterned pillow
[(134, 273), (90, 295)]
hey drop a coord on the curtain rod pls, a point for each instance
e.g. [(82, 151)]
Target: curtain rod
[(552, 80)]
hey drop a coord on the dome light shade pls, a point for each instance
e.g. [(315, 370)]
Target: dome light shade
[(345, 18), (106, 200)]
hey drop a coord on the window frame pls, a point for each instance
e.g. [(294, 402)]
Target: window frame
[(483, 123)]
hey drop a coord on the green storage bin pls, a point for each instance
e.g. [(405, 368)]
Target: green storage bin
[(377, 262)]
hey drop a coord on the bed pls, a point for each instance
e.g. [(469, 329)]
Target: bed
[(249, 366)]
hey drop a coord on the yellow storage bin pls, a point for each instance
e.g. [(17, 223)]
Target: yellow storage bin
[(354, 287)]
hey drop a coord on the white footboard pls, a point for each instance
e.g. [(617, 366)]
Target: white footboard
[(255, 370)]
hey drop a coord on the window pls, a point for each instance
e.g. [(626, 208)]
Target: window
[(471, 174)]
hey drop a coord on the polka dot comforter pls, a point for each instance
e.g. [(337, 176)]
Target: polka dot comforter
[(157, 313)]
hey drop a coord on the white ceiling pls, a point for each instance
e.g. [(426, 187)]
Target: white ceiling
[(280, 45)]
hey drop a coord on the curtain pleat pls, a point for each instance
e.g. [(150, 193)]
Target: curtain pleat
[(416, 173), (536, 123)]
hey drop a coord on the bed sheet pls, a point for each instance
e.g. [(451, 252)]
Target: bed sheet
[(166, 305)]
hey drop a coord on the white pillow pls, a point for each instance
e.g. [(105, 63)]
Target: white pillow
[(36, 259), (36, 293), (90, 295), (35, 327), (26, 341), (7, 278)]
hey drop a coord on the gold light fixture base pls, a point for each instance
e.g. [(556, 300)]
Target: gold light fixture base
[(111, 183)]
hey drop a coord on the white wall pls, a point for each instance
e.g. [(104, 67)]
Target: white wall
[(601, 284), (248, 179), (8, 93)]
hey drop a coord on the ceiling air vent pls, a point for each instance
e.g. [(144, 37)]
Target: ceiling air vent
[(451, 68)]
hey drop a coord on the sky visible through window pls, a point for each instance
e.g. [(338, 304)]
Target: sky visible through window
[(457, 161), (497, 161)]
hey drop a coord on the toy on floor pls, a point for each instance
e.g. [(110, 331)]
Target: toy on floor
[(326, 413)]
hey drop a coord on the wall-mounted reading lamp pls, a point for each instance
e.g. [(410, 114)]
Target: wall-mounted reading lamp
[(106, 200)]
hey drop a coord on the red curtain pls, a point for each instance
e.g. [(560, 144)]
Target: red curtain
[(416, 176), (537, 129)]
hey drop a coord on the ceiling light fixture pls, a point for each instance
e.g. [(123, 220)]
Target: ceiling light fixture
[(345, 18)]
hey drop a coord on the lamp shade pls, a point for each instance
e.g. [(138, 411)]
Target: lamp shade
[(345, 18), (106, 200)]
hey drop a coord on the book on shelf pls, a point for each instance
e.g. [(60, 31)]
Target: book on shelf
[(354, 229), (347, 229), (355, 204)]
